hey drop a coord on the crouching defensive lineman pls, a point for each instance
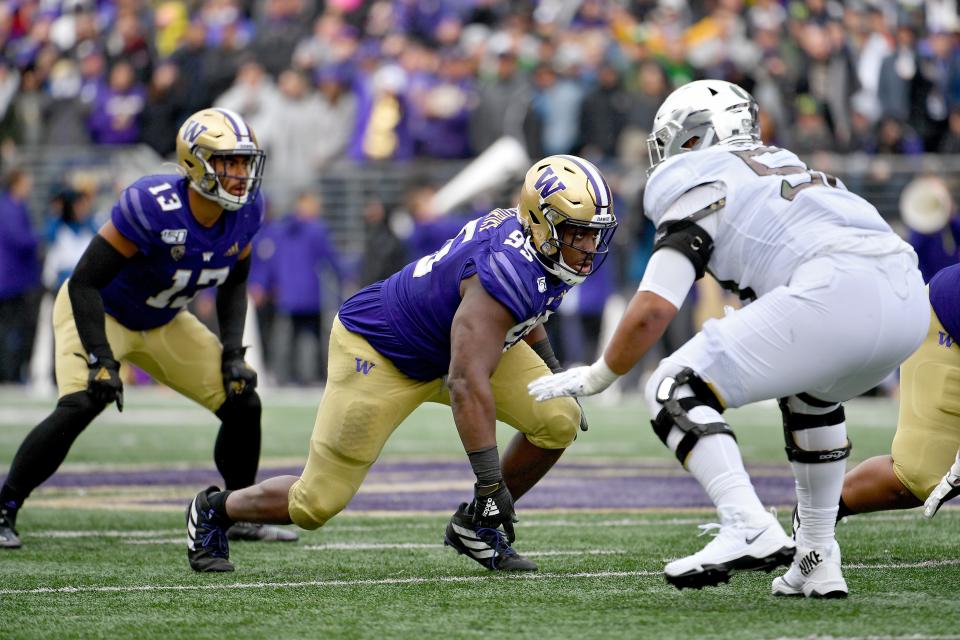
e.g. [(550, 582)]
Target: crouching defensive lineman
[(169, 236), (928, 432), (463, 327), (839, 303)]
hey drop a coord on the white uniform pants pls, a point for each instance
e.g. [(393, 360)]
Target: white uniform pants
[(842, 325)]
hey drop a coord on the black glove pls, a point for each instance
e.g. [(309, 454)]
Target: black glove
[(493, 506), (239, 378), (103, 380)]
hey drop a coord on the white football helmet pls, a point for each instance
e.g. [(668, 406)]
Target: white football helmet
[(701, 114)]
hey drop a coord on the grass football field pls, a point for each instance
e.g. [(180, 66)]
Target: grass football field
[(104, 550)]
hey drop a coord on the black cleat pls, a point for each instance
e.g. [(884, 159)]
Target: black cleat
[(207, 547), (8, 532), (255, 532), (486, 545)]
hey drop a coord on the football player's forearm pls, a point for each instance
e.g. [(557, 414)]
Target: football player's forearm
[(641, 326), (232, 306), (474, 412), (98, 266)]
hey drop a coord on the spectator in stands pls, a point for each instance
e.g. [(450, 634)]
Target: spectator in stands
[(64, 113), (166, 109), (338, 114), (503, 103), (382, 130), (306, 277), (69, 231), (191, 60), (557, 100), (291, 137), (384, 253), (895, 85), (115, 115), (281, 26), (19, 276), (445, 108), (253, 95), (604, 116)]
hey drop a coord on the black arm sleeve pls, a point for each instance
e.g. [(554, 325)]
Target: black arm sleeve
[(232, 306), (545, 351), (688, 238), (98, 266)]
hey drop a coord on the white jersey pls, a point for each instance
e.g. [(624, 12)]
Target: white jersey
[(777, 213)]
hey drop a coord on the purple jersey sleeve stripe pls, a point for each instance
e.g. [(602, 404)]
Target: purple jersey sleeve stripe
[(138, 207), (506, 286), (518, 281), (130, 217)]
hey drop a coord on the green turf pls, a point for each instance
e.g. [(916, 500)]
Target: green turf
[(104, 586), (288, 590)]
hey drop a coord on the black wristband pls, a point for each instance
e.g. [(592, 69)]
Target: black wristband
[(545, 351), (233, 353), (486, 465)]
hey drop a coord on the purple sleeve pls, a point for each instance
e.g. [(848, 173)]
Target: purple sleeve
[(129, 216), (508, 283)]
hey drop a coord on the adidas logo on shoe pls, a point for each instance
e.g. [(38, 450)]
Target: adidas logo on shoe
[(490, 509), (809, 562)]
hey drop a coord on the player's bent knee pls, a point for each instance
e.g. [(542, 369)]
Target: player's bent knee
[(675, 396), (80, 402), (802, 412), (313, 503), (558, 423)]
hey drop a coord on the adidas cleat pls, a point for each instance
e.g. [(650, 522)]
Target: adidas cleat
[(486, 545), (814, 573), (736, 547), (255, 532), (207, 547)]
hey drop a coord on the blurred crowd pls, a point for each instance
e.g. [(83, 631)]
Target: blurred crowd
[(397, 79), (347, 82)]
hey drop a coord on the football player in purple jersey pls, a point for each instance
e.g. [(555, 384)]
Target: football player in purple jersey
[(169, 236), (462, 326)]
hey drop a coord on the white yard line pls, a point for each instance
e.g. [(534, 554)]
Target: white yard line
[(422, 580)]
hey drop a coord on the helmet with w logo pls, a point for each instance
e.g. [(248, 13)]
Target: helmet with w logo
[(565, 202), (220, 133)]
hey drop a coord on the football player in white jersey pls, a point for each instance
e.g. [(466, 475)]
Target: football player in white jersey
[(836, 303)]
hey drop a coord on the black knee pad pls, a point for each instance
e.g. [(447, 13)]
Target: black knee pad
[(675, 410), (822, 414)]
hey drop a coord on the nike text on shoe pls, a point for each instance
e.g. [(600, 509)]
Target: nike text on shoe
[(814, 573), (207, 547), (736, 547), (255, 532), (486, 545), (8, 533)]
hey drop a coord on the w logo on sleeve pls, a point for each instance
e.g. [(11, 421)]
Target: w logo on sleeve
[(548, 183), (364, 366)]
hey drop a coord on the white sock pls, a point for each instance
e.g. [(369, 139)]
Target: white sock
[(819, 485), (716, 463)]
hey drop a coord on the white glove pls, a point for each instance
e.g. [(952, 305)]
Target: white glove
[(579, 381), (948, 487)]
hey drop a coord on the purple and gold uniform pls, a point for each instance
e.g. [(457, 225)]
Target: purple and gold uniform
[(147, 322), (390, 350), (928, 432)]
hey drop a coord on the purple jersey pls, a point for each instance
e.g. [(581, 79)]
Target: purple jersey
[(945, 299), (177, 256), (408, 316)]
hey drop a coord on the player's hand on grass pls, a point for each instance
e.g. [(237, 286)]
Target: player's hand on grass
[(948, 487)]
